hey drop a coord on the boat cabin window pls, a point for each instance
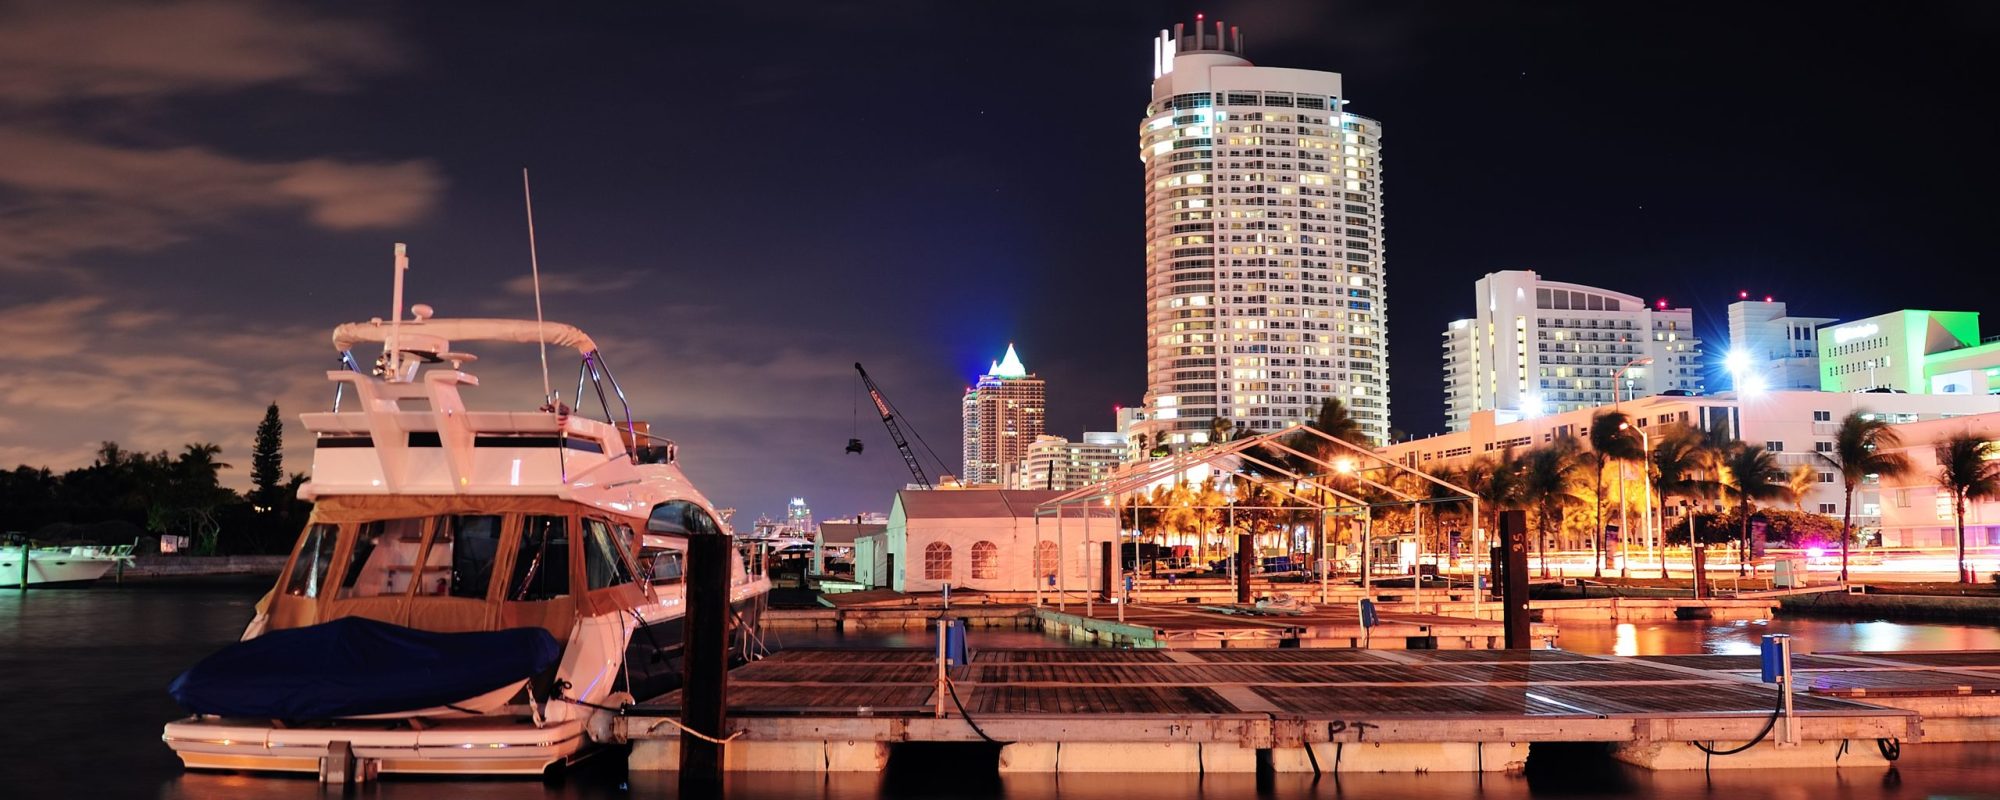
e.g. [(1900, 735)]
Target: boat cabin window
[(681, 517), (461, 557), (664, 567), (315, 555), (603, 560), (384, 561), (541, 569)]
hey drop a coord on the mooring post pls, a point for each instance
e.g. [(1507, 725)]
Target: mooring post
[(1700, 558), (1514, 605), (1246, 554), (27, 552), (705, 664)]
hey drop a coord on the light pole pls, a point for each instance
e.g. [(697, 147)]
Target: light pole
[(1624, 528), (1646, 485), (1618, 382)]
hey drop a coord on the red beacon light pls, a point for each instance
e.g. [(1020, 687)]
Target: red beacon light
[(1742, 295), (1767, 298), (1661, 304)]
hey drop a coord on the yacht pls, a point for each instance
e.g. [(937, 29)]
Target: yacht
[(59, 566), (476, 591)]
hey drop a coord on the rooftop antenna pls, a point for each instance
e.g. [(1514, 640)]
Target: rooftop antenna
[(535, 269)]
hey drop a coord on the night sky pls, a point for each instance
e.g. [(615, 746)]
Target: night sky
[(740, 201)]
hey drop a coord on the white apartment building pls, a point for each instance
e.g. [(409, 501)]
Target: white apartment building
[(1265, 289), (1002, 414), (1916, 513), (1921, 352), (1795, 425), (1053, 462), (1537, 347), (1780, 350)]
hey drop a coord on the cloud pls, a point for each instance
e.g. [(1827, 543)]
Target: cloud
[(569, 282), (69, 188), (64, 196), (63, 51)]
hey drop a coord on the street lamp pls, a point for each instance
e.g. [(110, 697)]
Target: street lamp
[(1646, 484), (1618, 382)]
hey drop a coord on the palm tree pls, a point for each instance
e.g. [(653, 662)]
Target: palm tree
[(1544, 483), (1801, 481), (1611, 440), (1682, 462), (1967, 469), (1751, 476), (1496, 481), (1219, 428), (1862, 448)]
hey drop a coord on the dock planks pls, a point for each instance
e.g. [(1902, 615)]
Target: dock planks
[(1440, 686)]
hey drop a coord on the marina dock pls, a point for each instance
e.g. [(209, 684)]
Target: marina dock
[(1325, 626), (1332, 710)]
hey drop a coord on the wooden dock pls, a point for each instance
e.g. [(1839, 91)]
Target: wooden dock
[(1166, 626), (1309, 710)]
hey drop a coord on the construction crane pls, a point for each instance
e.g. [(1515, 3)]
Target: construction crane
[(895, 431)]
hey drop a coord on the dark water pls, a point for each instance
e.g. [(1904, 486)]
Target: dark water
[(86, 672)]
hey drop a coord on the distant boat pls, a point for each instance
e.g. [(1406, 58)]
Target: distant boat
[(60, 566), (477, 592)]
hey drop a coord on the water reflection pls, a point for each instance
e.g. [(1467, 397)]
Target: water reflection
[(1741, 637), (96, 662)]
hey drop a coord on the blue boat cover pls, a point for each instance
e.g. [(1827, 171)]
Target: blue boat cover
[(353, 666)]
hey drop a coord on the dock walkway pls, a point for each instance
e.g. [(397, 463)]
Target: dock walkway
[(1311, 710), (1178, 627)]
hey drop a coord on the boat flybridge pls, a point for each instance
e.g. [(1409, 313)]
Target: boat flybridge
[(476, 591)]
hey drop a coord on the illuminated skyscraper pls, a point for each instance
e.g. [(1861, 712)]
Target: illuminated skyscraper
[(1003, 415), (1265, 288)]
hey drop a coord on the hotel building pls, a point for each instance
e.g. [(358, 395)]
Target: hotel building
[(1053, 462), (1920, 352), (1265, 288), (1538, 347), (1781, 350), (1003, 414)]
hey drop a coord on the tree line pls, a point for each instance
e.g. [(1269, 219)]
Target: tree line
[(126, 492), (1566, 485)]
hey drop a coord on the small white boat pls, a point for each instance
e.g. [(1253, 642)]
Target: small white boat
[(60, 566), (477, 592)]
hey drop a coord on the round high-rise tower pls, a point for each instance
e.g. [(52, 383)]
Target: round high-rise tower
[(1265, 291)]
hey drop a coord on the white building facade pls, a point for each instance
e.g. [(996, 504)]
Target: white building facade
[(1916, 351), (1766, 341), (1537, 347), (1265, 283), (1916, 513), (1054, 462)]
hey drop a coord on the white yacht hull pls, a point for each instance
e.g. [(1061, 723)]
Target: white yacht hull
[(505, 741), (51, 566)]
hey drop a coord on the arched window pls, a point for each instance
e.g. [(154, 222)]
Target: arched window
[(937, 561), (985, 560), (1045, 559)]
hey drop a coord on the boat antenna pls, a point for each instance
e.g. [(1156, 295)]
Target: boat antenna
[(535, 269), (391, 358)]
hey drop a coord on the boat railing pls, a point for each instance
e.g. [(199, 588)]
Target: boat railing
[(597, 375)]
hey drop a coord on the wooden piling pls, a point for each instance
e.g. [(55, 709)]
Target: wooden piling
[(1246, 563), (705, 664), (1514, 608)]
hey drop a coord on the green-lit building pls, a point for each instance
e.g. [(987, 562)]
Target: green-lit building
[(1920, 352)]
